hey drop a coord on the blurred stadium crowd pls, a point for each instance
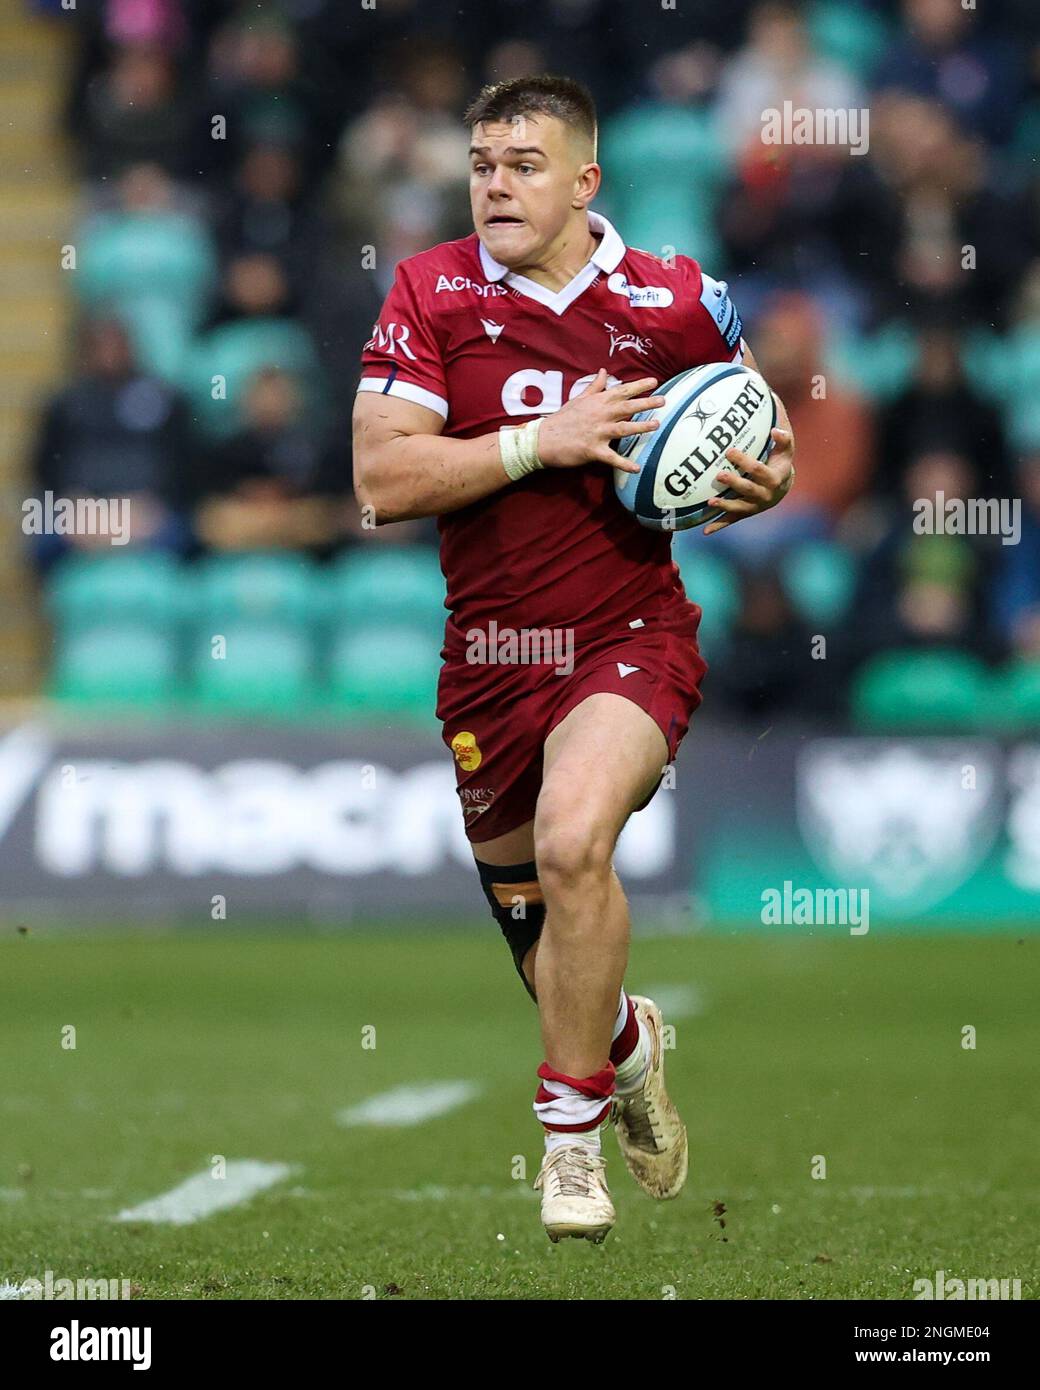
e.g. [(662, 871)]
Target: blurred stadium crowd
[(892, 299)]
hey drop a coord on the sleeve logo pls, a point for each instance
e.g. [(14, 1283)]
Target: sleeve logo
[(389, 339), (715, 298)]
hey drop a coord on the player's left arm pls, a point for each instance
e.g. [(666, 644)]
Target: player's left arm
[(766, 483)]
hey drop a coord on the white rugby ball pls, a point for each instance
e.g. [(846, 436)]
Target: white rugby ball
[(707, 410)]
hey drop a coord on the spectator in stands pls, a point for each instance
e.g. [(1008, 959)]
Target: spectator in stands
[(138, 109), (940, 409), (768, 667), (1011, 362), (664, 162), (1018, 578), (267, 485), (344, 293), (930, 588), (261, 82), (832, 428), (115, 432), (785, 201), (636, 37), (267, 210), (151, 262), (280, 482), (943, 56), (255, 327), (777, 64), (963, 239), (410, 142)]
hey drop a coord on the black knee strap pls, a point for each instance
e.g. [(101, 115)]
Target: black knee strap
[(515, 898)]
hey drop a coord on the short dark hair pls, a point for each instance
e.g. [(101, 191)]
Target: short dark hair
[(541, 95)]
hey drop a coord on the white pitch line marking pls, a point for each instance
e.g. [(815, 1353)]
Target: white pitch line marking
[(409, 1105), (202, 1194), (677, 1001)]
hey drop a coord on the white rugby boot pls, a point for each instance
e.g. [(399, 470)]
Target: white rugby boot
[(647, 1124), (575, 1200)]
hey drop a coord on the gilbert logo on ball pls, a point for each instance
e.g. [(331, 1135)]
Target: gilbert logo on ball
[(707, 410)]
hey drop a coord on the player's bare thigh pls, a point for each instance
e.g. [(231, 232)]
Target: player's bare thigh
[(601, 761), (514, 847)]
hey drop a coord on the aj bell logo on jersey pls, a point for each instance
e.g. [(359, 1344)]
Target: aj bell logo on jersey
[(390, 338), (531, 392)]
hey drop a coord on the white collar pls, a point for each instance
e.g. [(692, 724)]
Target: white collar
[(608, 255)]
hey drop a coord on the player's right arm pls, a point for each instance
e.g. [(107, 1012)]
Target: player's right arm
[(405, 467)]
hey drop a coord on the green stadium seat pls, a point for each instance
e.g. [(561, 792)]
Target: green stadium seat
[(267, 668), (130, 586), (849, 35), (237, 352), (712, 582), (820, 579), (1004, 368), (1015, 697), (374, 585), (155, 269), (127, 254), (260, 586), (118, 665), (880, 364), (387, 671), (666, 169), (926, 691)]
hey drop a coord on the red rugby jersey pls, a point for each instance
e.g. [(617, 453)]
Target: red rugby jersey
[(485, 347)]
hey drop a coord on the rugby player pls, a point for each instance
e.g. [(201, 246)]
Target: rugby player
[(502, 367)]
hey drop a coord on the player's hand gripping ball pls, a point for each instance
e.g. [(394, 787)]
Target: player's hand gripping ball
[(708, 411)]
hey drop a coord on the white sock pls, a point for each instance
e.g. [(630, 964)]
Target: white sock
[(588, 1137), (632, 1070)]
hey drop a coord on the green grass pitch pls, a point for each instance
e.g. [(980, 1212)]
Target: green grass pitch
[(248, 1046)]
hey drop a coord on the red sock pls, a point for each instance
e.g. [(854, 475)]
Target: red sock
[(626, 1031), (573, 1104)]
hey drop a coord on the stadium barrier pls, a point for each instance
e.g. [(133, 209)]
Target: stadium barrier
[(145, 821)]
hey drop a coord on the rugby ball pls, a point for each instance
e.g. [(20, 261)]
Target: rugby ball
[(707, 410)]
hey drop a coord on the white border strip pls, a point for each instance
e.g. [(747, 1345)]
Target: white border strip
[(407, 391)]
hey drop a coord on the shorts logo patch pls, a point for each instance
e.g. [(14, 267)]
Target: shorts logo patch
[(625, 670), (466, 750), (475, 800)]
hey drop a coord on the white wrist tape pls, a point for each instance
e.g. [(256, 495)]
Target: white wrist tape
[(518, 448)]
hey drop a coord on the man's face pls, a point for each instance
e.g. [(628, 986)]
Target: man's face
[(526, 177)]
